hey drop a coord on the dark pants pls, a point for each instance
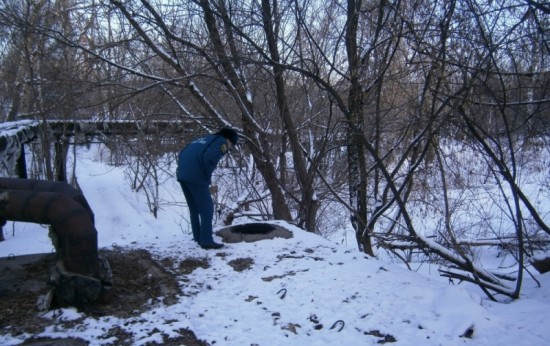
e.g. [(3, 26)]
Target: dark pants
[(201, 211)]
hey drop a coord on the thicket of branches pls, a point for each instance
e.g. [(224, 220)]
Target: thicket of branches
[(417, 117)]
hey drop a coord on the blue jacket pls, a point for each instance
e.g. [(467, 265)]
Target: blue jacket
[(198, 159)]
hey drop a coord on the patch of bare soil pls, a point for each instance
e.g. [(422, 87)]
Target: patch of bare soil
[(139, 282), (188, 265), (241, 264), (18, 303)]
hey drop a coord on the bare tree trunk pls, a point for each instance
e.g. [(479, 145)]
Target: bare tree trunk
[(355, 117), (308, 204), (61, 153)]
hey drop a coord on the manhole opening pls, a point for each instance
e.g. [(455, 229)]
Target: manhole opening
[(253, 228)]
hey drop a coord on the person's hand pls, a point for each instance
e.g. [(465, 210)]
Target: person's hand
[(213, 189)]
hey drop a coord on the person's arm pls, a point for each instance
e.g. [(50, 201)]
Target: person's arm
[(213, 154)]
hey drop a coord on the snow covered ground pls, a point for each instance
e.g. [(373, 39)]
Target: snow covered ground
[(300, 291)]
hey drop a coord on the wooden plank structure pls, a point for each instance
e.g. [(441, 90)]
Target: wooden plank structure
[(15, 135)]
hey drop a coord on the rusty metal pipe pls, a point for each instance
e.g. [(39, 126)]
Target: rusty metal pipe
[(75, 231), (47, 186)]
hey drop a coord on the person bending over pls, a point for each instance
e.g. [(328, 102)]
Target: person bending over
[(196, 162)]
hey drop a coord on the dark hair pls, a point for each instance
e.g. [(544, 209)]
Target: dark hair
[(229, 134)]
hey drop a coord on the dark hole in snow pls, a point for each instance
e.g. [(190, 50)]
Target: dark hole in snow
[(251, 232), (253, 228)]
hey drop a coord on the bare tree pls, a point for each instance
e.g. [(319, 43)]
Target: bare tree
[(47, 77), (468, 82)]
